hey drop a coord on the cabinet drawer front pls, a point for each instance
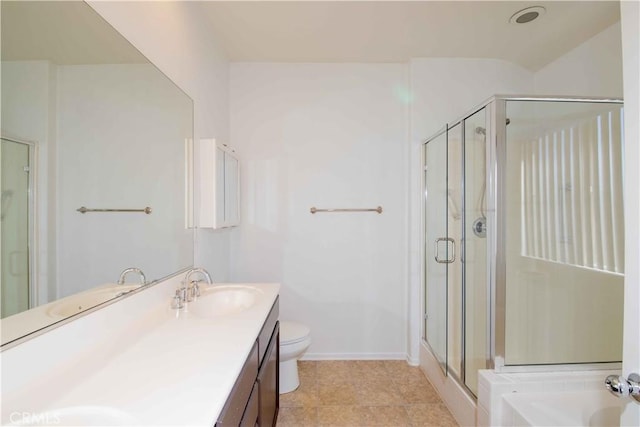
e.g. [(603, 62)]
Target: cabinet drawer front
[(236, 403), (267, 329)]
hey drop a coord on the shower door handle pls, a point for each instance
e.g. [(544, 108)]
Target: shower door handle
[(436, 248)]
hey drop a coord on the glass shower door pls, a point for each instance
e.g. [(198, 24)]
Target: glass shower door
[(455, 249), (564, 233), (14, 228), (437, 247)]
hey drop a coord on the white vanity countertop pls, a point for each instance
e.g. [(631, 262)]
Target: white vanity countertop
[(174, 370)]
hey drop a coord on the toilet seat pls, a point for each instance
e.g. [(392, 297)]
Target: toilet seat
[(292, 332)]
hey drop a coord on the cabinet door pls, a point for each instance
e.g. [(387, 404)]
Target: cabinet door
[(220, 188), (219, 185), (231, 190), (268, 382), (267, 331), (250, 417), (240, 395)]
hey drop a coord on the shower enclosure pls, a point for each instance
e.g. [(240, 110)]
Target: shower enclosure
[(524, 238)]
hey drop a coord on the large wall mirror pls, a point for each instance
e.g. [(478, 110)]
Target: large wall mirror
[(87, 121)]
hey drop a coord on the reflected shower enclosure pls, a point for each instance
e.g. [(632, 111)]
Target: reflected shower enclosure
[(524, 237), (16, 232)]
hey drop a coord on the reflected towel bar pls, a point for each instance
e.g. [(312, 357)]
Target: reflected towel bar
[(378, 209), (83, 210)]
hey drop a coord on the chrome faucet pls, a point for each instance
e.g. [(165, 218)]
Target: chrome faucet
[(193, 290), (202, 271), (143, 279), (189, 289)]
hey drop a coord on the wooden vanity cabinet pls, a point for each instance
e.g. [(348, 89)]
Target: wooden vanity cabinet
[(255, 397), (251, 413), (235, 407), (268, 383), (269, 368)]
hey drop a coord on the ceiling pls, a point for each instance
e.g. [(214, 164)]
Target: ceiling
[(64, 32), (321, 31), (395, 31)]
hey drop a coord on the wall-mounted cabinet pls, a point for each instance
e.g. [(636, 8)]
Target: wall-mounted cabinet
[(219, 185)]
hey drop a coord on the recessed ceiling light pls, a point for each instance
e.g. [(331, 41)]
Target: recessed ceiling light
[(527, 15)]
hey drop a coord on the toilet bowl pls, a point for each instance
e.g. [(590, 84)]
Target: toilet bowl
[(294, 340)]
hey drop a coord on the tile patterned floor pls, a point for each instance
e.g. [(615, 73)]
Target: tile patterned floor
[(362, 393)]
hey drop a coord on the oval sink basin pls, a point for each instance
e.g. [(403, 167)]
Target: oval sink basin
[(223, 300), (76, 303), (74, 416)]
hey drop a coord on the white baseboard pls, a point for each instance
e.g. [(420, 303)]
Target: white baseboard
[(354, 356)]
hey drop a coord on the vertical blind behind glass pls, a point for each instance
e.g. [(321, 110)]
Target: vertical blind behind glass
[(571, 193)]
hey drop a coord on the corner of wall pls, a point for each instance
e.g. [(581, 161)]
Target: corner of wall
[(594, 68)]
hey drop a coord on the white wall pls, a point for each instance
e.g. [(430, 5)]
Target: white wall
[(330, 136), (592, 69), (174, 36), (630, 12), (443, 89)]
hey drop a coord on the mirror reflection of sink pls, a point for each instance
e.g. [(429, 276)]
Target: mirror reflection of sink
[(76, 303), (223, 300), (74, 416)]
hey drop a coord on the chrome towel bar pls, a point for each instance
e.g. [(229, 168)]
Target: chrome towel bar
[(378, 209), (83, 210)]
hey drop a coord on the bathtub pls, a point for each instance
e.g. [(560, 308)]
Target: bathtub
[(579, 408)]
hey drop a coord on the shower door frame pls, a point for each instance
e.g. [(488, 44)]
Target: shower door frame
[(32, 243)]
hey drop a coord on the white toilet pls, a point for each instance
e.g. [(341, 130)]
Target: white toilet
[(294, 340)]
